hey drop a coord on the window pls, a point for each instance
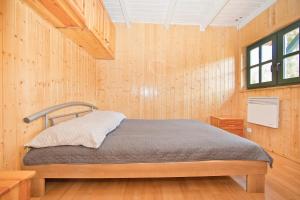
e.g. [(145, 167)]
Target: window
[(274, 60)]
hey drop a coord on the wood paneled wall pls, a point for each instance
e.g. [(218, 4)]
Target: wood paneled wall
[(40, 67), (184, 73), (161, 73), (158, 73), (1, 88), (286, 139)]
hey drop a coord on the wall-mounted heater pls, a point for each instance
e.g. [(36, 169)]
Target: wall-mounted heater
[(263, 111)]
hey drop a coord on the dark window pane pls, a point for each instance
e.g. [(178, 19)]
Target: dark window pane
[(254, 75), (254, 56), (291, 67), (291, 41), (266, 51), (266, 73)]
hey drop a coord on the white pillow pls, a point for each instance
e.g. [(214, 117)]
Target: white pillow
[(88, 130)]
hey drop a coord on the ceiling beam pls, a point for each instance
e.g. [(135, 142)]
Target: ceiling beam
[(125, 12), (217, 8), (170, 13), (255, 13)]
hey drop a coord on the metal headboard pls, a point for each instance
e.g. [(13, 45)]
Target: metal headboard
[(45, 112)]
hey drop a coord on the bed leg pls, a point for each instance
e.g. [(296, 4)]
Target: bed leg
[(38, 187), (256, 183)]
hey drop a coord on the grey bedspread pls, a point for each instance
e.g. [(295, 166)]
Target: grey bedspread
[(153, 141)]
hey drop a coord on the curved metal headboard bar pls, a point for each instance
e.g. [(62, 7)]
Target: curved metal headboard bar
[(45, 112)]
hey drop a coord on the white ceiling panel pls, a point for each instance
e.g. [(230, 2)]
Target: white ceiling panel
[(236, 10), (190, 11), (153, 11), (187, 12), (114, 9)]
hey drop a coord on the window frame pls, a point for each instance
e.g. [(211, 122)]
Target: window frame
[(277, 59), (273, 60), (281, 56)]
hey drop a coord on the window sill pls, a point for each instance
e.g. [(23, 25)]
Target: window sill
[(242, 90)]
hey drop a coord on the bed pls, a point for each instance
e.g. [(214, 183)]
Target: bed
[(149, 149)]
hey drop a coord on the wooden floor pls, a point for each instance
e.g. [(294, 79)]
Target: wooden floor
[(282, 182)]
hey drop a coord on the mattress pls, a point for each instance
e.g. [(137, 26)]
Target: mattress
[(155, 141)]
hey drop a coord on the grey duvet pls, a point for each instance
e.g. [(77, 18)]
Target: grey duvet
[(155, 141)]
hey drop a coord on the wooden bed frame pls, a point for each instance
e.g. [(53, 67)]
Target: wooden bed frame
[(254, 171)]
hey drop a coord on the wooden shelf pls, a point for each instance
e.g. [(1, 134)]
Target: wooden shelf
[(86, 22)]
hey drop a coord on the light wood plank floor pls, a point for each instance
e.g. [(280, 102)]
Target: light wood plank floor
[(282, 183)]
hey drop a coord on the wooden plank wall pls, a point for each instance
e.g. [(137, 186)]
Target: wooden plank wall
[(40, 68), (184, 73), (286, 139), (1, 84), (158, 73), (161, 73)]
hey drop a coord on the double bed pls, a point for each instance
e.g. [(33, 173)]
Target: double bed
[(148, 149)]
